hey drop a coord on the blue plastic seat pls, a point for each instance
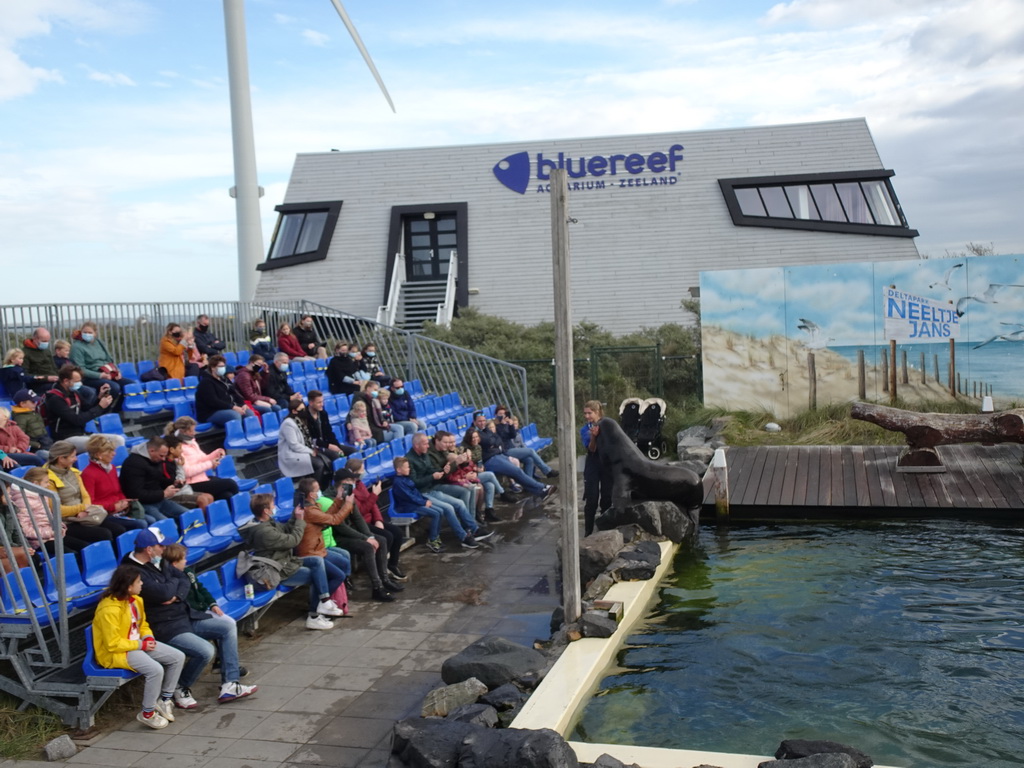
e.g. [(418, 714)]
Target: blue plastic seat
[(128, 370), (271, 427), (190, 384), (236, 609), (241, 511), (284, 498), (93, 669), (169, 528), (76, 591), (174, 392), (231, 359), (331, 407), (145, 366), (234, 587), (14, 606), (120, 454), (226, 468), (234, 437), (220, 522), (134, 399), (243, 356), (82, 461), (126, 542), (20, 470), (98, 563), (309, 369), (254, 432), (156, 399), (196, 535)]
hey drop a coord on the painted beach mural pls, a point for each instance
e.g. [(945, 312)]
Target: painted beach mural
[(780, 338)]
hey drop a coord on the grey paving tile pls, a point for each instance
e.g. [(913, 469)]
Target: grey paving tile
[(320, 754), (256, 750), (207, 746), (395, 638), (383, 658), (382, 621), (147, 742), (347, 731), (267, 699), (349, 678), (452, 642), (384, 705), (295, 728), (300, 676), (227, 761), (420, 622), (231, 724), (164, 760), (111, 757), (406, 680), (423, 661), (326, 701), (343, 634)]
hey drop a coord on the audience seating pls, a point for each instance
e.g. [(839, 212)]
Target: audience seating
[(101, 676), (234, 587), (241, 512), (98, 562), (76, 591), (236, 609), (196, 535), (226, 468), (220, 521)]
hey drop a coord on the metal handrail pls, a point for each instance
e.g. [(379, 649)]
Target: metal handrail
[(446, 310), (386, 313)]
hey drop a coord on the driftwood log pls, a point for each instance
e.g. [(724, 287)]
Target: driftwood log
[(924, 431)]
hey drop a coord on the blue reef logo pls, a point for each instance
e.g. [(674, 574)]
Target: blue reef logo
[(514, 172)]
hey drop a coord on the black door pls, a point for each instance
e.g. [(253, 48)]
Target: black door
[(429, 242)]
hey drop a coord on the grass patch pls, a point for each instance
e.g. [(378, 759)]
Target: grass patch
[(23, 734)]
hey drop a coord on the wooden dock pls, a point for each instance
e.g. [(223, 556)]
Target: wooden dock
[(861, 480)]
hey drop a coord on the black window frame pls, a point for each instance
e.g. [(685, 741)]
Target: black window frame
[(729, 187), (461, 211), (333, 210)]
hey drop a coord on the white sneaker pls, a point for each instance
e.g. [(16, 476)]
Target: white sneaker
[(329, 608), (166, 708), (183, 699), (232, 691), (319, 622), (156, 720)]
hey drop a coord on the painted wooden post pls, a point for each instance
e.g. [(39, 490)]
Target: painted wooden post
[(564, 405), (862, 383), (935, 369), (952, 367), (885, 369), (892, 370), (719, 470), (904, 374), (812, 383), (924, 370)]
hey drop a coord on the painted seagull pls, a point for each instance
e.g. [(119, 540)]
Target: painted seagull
[(1017, 335), (988, 297), (945, 279), (814, 333)]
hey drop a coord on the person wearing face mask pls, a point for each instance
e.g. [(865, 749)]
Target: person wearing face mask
[(371, 366), (99, 370), (275, 381), (206, 340), (67, 416), (39, 360), (342, 371), (296, 456), (248, 384), (173, 353), (217, 401), (259, 339), (306, 335), (403, 408), (198, 463)]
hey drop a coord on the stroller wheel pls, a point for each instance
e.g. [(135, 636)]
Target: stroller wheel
[(654, 453)]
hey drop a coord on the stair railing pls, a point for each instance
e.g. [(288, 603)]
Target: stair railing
[(446, 309), (386, 313)]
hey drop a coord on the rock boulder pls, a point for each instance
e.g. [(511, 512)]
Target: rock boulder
[(493, 661)]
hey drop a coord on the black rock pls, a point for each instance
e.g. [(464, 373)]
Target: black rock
[(634, 570), (494, 661), (644, 550), (790, 749), (607, 761), (822, 760), (557, 618), (597, 551), (676, 524), (504, 697), (646, 514), (429, 743), (515, 748), (483, 715), (594, 624)]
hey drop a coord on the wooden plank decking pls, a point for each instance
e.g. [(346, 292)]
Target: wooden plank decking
[(854, 479)]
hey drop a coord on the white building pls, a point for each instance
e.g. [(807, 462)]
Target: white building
[(651, 212)]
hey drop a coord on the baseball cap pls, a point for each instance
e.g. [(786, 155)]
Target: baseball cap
[(25, 394), (148, 537)]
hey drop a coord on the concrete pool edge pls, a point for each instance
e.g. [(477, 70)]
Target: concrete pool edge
[(574, 677)]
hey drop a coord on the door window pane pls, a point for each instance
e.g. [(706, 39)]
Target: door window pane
[(287, 235), (418, 240), (801, 203), (853, 201), (880, 203), (312, 231), (419, 226), (446, 241), (828, 202), (446, 225)]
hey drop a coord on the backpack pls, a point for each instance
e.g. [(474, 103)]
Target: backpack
[(41, 405), (262, 572)]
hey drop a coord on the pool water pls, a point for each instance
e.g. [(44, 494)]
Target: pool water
[(903, 639)]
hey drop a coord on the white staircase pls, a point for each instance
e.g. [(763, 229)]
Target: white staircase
[(418, 303)]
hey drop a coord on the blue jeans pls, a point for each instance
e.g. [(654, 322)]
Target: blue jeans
[(465, 494), (27, 459), (341, 559), (408, 427), (164, 509), (220, 418), (530, 459), (393, 432), (130, 523), (454, 512), (434, 513), (198, 653), (224, 630), (264, 407), (491, 486), (323, 578), (500, 465)]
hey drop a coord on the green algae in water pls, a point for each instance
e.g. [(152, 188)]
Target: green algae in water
[(903, 639)]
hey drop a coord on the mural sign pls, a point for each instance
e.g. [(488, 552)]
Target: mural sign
[(915, 318)]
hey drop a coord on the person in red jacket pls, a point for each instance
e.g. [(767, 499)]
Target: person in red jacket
[(289, 344), (366, 501), (247, 382), (101, 481)]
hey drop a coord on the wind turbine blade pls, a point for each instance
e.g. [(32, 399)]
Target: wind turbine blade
[(362, 49)]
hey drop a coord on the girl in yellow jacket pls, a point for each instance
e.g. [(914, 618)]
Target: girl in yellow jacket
[(122, 640)]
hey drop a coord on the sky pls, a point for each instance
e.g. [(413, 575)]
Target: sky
[(115, 136)]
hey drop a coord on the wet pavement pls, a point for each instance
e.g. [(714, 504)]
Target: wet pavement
[(331, 698)]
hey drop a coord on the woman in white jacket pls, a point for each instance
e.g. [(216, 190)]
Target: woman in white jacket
[(295, 455), (198, 463)]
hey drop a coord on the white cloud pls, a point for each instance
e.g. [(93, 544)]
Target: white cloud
[(107, 78), (313, 37)]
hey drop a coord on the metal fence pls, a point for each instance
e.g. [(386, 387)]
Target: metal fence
[(132, 332)]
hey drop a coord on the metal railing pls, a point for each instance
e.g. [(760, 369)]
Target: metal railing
[(132, 332), (446, 310), (386, 313)]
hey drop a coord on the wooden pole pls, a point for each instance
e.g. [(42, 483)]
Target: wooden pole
[(904, 374), (892, 370), (924, 370), (565, 408), (812, 383), (935, 369), (959, 383), (885, 369), (952, 367), (862, 383), (720, 475)]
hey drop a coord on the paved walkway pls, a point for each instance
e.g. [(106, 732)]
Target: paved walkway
[(331, 698)]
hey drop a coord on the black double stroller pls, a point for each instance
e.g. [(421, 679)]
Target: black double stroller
[(642, 421)]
